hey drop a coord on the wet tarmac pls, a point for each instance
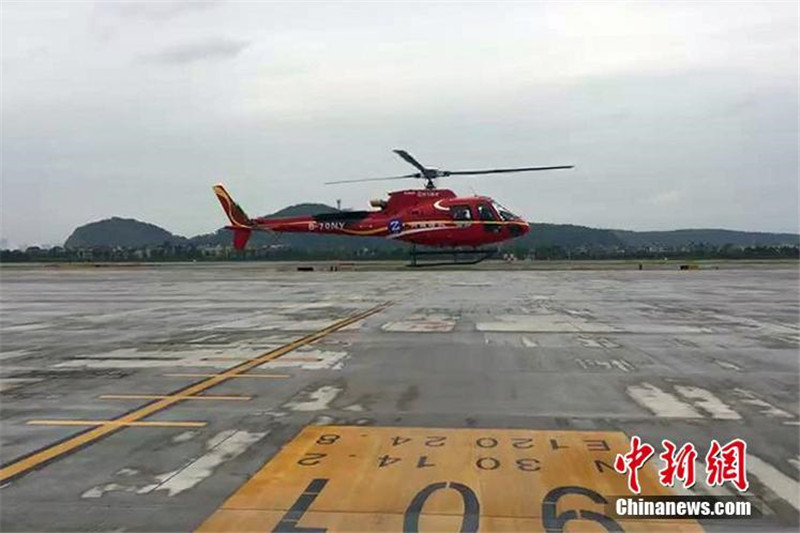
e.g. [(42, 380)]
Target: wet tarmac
[(235, 397)]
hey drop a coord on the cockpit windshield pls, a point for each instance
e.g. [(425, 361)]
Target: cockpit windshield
[(504, 213)]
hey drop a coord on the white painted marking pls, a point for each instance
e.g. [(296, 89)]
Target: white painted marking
[(795, 462), (98, 491), (183, 437), (544, 323), (708, 402), (666, 329), (218, 357), (766, 408), (727, 365), (660, 403), (618, 364), (768, 328), (528, 342), (589, 342), (431, 323), (297, 306), (309, 360), (509, 339), (323, 420), (271, 321), (11, 354), (223, 447), (25, 327), (576, 312), (318, 399), (783, 486), (623, 365), (598, 342)]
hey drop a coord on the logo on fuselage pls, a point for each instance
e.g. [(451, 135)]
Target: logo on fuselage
[(395, 225)]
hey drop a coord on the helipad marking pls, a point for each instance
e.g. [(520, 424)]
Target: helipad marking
[(336, 478), (52, 452), (149, 423), (182, 397)]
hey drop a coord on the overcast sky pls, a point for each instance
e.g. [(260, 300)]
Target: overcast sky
[(677, 115)]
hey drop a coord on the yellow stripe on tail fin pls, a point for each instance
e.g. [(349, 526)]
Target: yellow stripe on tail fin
[(235, 213)]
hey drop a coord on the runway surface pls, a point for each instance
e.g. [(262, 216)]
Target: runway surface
[(235, 397)]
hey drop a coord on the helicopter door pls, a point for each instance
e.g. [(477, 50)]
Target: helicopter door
[(487, 215)]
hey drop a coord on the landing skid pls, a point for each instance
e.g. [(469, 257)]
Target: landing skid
[(459, 257)]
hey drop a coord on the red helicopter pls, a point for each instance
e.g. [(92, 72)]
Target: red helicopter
[(429, 217)]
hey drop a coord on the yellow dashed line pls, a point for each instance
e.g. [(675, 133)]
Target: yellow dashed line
[(54, 451), (182, 397), (191, 375), (116, 423)]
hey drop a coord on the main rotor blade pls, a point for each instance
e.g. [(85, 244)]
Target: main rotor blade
[(502, 170), (405, 155), (407, 176)]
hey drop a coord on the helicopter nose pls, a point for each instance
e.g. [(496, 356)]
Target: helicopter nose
[(519, 228)]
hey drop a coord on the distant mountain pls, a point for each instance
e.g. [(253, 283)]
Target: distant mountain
[(301, 210), (568, 236), (712, 237), (123, 232), (132, 233)]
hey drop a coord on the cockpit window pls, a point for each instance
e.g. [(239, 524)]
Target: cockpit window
[(461, 212), (485, 212), (504, 213)]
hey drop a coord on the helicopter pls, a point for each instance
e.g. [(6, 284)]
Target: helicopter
[(430, 217)]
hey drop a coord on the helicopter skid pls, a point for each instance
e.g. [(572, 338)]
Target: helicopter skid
[(458, 256)]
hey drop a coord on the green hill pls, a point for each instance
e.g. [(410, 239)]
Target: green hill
[(568, 236), (120, 232), (711, 237)]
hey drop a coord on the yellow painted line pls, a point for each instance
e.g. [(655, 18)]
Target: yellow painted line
[(52, 452), (163, 396), (148, 423), (191, 375), (356, 478)]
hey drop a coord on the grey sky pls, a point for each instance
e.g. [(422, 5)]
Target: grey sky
[(676, 114)]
